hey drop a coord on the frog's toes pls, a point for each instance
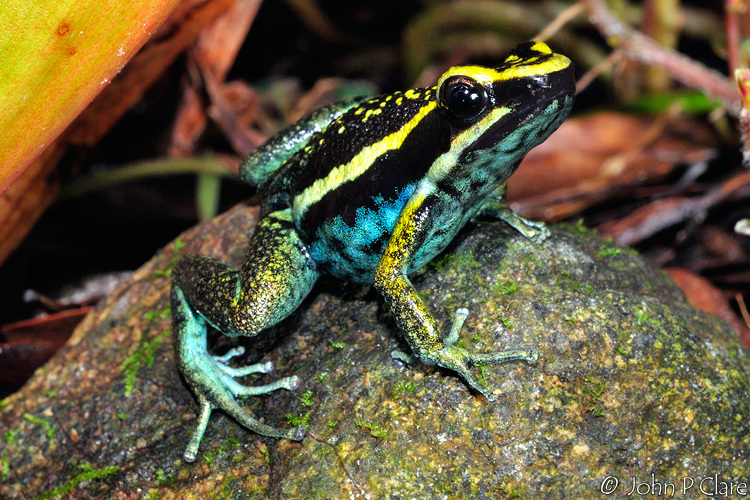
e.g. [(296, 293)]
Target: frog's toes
[(214, 384), (542, 232), (458, 323), (230, 354), (460, 360), (400, 358), (289, 383), (241, 371), (533, 230)]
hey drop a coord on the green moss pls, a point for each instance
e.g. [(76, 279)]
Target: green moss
[(595, 392), (88, 473), (297, 420), (266, 455), (306, 399), (610, 251), (440, 263), (402, 388), (643, 316), (461, 262), (164, 479), (337, 344), (210, 455), (580, 228), (144, 354), (49, 429), (10, 436), (375, 430), (167, 271), (504, 288), (512, 492), (4, 469)]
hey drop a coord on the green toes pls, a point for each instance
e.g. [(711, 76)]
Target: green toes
[(217, 389), (460, 360)]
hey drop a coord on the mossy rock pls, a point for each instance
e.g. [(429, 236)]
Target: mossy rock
[(631, 382)]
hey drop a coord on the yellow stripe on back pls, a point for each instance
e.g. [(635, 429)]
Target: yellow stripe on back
[(359, 164)]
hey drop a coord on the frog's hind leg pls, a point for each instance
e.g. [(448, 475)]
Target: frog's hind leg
[(276, 276)]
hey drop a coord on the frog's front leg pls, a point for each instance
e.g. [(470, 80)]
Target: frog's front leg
[(275, 277), (496, 206), (419, 326)]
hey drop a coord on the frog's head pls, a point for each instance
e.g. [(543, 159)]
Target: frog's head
[(496, 115)]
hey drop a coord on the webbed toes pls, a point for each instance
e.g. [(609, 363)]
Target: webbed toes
[(214, 384)]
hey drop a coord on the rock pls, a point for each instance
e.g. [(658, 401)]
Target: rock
[(633, 388)]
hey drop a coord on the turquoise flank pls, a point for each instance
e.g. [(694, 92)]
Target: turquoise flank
[(353, 252)]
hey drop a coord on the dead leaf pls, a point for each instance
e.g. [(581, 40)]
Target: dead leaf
[(601, 157), (28, 344), (27, 198), (705, 297)]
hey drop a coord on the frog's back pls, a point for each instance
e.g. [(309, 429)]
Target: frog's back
[(357, 175)]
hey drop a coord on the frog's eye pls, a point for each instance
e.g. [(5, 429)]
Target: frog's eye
[(463, 100)]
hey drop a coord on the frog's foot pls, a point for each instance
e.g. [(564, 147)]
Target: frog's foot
[(535, 231), (460, 360), (401, 358), (458, 323), (212, 381)]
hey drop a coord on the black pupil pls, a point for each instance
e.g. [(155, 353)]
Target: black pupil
[(464, 100)]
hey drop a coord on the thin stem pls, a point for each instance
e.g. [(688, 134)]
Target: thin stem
[(732, 9), (208, 164), (640, 48), (558, 22)]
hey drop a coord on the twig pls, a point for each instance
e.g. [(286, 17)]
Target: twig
[(641, 48), (557, 23), (732, 11), (218, 165), (742, 76), (743, 309), (597, 70)]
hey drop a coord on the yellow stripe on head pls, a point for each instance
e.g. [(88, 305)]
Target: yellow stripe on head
[(541, 62), (541, 47)]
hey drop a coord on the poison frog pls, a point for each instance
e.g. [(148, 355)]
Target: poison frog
[(369, 190)]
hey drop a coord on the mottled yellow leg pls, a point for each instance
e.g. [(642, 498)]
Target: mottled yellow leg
[(419, 326)]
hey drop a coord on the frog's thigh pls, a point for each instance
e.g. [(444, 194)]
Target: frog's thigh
[(276, 275)]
